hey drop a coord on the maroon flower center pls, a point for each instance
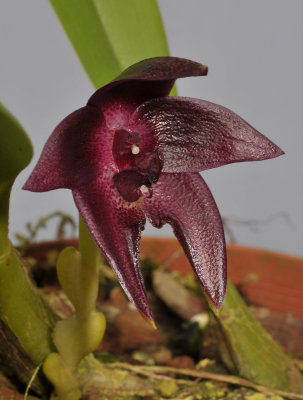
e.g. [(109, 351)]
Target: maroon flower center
[(137, 171)]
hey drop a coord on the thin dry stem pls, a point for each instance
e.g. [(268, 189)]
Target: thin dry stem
[(158, 371)]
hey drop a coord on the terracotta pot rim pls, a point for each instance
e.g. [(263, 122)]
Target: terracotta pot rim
[(266, 278), (147, 238)]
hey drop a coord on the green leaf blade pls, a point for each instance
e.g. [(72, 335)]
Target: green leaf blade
[(134, 29), (82, 25), (109, 36), (15, 147), (15, 154)]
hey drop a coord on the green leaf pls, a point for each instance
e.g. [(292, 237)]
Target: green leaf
[(110, 35), (247, 349), (23, 310), (25, 317), (15, 154), (15, 147)]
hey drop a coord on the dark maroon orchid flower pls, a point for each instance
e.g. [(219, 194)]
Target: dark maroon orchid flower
[(134, 153)]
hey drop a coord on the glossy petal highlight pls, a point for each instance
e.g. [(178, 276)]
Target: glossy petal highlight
[(194, 135), (186, 203)]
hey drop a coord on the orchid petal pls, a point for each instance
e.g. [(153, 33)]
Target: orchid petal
[(185, 202), (194, 135), (70, 155), (147, 79), (116, 228), (133, 153)]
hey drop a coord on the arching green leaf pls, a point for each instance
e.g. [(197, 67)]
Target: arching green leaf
[(108, 36), (15, 147), (15, 154)]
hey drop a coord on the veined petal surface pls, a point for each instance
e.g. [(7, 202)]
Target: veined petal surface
[(194, 135), (185, 202)]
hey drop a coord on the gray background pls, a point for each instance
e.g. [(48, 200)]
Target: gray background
[(254, 53)]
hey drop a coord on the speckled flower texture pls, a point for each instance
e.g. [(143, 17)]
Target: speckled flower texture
[(134, 154)]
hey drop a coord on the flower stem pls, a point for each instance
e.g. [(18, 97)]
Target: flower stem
[(248, 350), (90, 254)]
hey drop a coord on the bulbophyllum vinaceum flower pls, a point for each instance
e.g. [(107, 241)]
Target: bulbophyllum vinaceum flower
[(133, 153)]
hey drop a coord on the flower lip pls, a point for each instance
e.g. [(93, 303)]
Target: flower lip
[(136, 182), (128, 183)]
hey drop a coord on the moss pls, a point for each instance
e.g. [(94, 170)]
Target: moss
[(167, 388), (247, 394), (260, 396), (210, 391)]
